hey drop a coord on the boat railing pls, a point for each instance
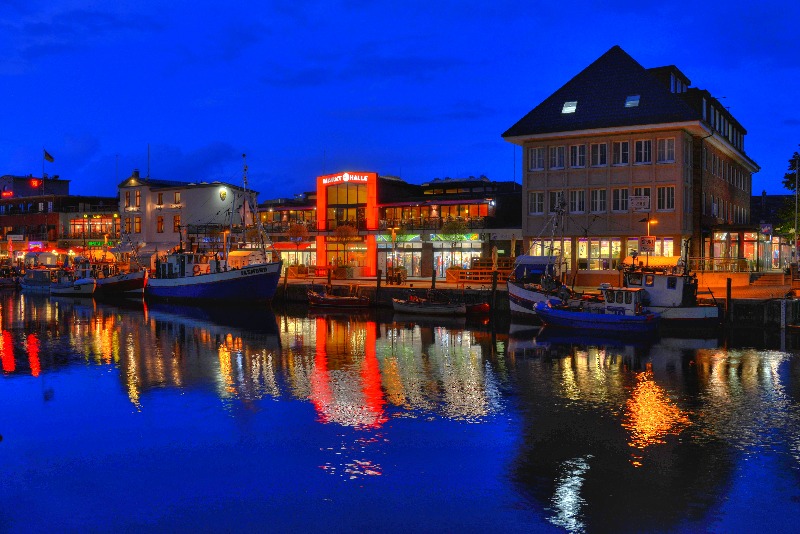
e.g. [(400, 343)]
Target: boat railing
[(731, 265)]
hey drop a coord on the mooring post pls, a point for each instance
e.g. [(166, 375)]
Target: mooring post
[(728, 314), (378, 288), (494, 291)]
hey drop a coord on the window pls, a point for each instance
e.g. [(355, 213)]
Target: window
[(556, 199), (632, 101), (642, 192), (535, 202), (138, 198), (577, 156), (621, 153), (127, 199), (176, 224), (619, 199), (557, 157), (570, 107), (643, 151), (127, 225), (577, 201), (665, 198), (177, 197), (597, 200), (666, 150), (536, 159), (137, 225), (160, 199), (160, 224), (599, 155)]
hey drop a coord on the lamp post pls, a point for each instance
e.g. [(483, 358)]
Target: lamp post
[(649, 221)]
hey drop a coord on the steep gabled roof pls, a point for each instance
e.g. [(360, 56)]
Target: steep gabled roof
[(600, 91)]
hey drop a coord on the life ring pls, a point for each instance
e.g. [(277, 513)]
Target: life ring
[(196, 270)]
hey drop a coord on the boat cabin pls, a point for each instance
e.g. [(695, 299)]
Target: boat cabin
[(620, 300), (664, 289), (531, 269), (182, 264)]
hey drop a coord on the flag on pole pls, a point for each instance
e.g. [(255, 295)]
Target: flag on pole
[(47, 156)]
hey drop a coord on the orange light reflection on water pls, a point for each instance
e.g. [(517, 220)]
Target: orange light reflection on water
[(650, 415)]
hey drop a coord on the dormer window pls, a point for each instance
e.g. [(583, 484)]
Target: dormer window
[(570, 107), (632, 101)]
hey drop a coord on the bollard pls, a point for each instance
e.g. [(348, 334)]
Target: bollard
[(728, 314), (494, 291)]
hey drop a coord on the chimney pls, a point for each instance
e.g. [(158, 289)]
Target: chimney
[(135, 173)]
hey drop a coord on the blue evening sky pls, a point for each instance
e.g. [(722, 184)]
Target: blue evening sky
[(415, 89)]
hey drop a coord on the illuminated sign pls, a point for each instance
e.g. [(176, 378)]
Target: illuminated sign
[(8, 194), (35, 183), (100, 243), (345, 177)]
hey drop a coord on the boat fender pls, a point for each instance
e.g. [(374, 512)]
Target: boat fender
[(196, 270)]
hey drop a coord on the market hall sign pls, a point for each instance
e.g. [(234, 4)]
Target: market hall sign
[(345, 177)]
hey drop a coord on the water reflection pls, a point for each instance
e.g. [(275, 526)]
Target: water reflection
[(608, 434)]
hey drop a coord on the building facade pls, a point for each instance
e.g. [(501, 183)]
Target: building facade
[(158, 216), (640, 164), (360, 222), (39, 215)]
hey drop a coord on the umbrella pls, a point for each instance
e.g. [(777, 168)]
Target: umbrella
[(494, 258), (513, 245)]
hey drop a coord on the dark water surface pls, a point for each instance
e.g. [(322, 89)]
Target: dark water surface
[(121, 418)]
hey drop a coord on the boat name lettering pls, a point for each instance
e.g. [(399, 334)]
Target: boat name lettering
[(254, 270), (616, 310)]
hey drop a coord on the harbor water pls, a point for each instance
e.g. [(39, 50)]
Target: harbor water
[(122, 417)]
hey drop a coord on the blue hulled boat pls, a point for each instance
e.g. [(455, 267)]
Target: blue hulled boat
[(187, 276), (619, 309)]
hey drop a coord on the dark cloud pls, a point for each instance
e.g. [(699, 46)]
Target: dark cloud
[(375, 68), (792, 122), (70, 30)]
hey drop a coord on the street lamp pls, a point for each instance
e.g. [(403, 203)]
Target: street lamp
[(649, 221)]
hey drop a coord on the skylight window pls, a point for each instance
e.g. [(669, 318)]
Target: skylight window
[(632, 101), (570, 107)]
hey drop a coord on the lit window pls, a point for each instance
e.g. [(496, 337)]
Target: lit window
[(632, 101), (570, 107)]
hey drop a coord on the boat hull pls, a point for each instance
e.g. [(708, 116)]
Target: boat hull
[(253, 283), (428, 308), (322, 300), (522, 300), (79, 288), (605, 322), (128, 284)]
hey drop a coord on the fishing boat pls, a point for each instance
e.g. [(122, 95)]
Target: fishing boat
[(672, 293), (76, 282), (121, 284), (533, 280), (420, 306), (215, 277), (620, 310), (189, 276), (327, 300), (37, 280)]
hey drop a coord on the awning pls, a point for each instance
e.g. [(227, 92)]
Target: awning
[(285, 245), (653, 261)]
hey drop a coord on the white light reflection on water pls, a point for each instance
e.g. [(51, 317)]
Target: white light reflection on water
[(567, 503)]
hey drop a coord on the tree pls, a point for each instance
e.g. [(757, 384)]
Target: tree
[(297, 232), (788, 212), (345, 233), (453, 230)]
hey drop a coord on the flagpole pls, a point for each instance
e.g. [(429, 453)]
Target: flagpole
[(42, 163)]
